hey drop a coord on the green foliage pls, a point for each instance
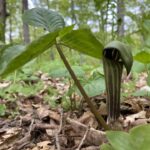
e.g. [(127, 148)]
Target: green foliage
[(65, 31), (2, 109), (94, 87), (141, 93), (138, 67), (39, 17), (20, 89), (63, 72), (83, 41), (138, 138), (99, 4), (16, 56), (143, 57)]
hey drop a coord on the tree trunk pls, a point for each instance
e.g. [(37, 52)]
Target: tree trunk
[(26, 35), (73, 16), (3, 16), (52, 55), (120, 15)]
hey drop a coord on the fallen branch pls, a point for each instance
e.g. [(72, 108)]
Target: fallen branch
[(95, 137), (58, 132), (83, 139)]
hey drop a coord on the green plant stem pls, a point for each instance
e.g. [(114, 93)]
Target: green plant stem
[(92, 107)]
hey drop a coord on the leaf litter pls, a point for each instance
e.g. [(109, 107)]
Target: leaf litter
[(39, 126)]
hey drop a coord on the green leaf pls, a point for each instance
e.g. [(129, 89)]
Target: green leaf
[(95, 87), (40, 17), (143, 57), (3, 47), (138, 67), (106, 147), (141, 93), (18, 55), (138, 138), (99, 4), (119, 140), (146, 25), (65, 30), (83, 41), (125, 53), (63, 72), (2, 109)]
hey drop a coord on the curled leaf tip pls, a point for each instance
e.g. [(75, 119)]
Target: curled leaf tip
[(119, 51)]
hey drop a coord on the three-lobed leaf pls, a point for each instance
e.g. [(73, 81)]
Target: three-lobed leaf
[(81, 40)]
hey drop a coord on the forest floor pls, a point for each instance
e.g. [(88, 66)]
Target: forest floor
[(37, 126)]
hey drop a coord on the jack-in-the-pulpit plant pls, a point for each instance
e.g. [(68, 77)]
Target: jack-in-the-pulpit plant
[(81, 40), (115, 56)]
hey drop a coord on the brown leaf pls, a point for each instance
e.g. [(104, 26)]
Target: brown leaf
[(88, 119), (131, 104), (129, 120), (102, 109), (43, 113), (9, 137), (4, 84)]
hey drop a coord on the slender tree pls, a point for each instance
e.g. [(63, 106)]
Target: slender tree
[(73, 18), (52, 55), (26, 34), (120, 17), (3, 16)]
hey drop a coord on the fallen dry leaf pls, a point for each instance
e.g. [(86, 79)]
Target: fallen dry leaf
[(88, 119), (4, 84), (43, 113), (129, 120)]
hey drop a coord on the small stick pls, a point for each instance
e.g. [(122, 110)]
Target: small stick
[(60, 128), (31, 126), (61, 120), (57, 141), (83, 139)]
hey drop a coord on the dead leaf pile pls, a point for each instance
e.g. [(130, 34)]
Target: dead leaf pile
[(37, 126)]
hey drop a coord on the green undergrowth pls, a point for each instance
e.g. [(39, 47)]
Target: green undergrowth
[(25, 82)]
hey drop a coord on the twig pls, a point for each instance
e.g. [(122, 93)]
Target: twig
[(31, 126), (61, 120), (58, 132), (57, 141), (83, 139), (23, 142), (45, 126)]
